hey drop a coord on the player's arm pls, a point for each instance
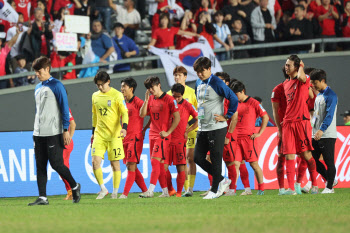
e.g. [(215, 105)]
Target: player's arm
[(301, 73), (231, 128), (72, 128), (276, 117), (311, 93), (124, 116), (143, 109), (173, 126), (265, 120), (94, 120), (331, 104), (193, 124), (62, 100), (223, 90)]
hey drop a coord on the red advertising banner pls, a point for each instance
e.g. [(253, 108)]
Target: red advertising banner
[(267, 150)]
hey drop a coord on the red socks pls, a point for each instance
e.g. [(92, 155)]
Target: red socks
[(311, 164), (129, 182), (290, 170), (280, 171), (155, 171), (232, 175), (302, 166), (180, 180), (210, 179), (140, 181), (168, 178), (244, 175), (261, 187), (66, 184), (162, 176)]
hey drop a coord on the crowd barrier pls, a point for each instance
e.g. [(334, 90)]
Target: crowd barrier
[(18, 172)]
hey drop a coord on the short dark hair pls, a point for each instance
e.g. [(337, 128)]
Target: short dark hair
[(201, 63), (225, 76), (237, 87), (300, 6), (180, 69), (151, 81), (178, 88), (97, 21), (102, 76), (41, 62), (118, 25), (130, 82), (258, 98), (232, 80), (218, 13), (295, 59), (20, 57), (318, 74), (308, 70), (162, 15)]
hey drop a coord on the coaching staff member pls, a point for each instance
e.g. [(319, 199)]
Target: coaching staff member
[(51, 129), (324, 131), (212, 134)]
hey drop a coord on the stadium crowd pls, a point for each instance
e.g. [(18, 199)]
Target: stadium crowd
[(118, 29)]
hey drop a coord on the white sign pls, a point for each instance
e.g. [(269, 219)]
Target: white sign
[(77, 24), (8, 13), (66, 42), (186, 57)]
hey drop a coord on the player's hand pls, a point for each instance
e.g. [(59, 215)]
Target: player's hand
[(164, 134), (92, 140), (208, 158), (255, 135), (123, 133), (279, 133), (318, 135), (219, 118), (186, 135), (66, 138), (227, 141), (301, 63)]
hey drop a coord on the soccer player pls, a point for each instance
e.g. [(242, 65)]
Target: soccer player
[(279, 105), (66, 154), (212, 135), (160, 107), (51, 130), (133, 142), (324, 129), (249, 110), (180, 76), (177, 154), (296, 128), (108, 109)]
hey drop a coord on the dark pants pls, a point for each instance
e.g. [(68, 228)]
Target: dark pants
[(325, 146), (212, 141), (50, 149), (105, 15)]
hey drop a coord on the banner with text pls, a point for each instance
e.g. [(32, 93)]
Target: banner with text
[(66, 42)]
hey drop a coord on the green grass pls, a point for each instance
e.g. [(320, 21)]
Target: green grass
[(269, 213)]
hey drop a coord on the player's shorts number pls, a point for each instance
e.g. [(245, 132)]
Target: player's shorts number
[(190, 141), (304, 143), (156, 148)]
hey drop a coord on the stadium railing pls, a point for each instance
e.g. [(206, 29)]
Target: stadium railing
[(321, 41)]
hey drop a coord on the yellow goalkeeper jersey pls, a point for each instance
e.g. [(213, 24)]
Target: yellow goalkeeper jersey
[(107, 109)]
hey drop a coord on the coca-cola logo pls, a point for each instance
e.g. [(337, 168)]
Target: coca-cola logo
[(342, 160)]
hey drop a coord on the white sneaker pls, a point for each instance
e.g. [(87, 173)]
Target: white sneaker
[(327, 191), (114, 196), (123, 196), (164, 195), (227, 189), (246, 193), (334, 183), (210, 195), (146, 194), (204, 194), (102, 194), (306, 188), (225, 183), (230, 192)]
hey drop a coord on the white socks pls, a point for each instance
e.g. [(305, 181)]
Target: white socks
[(165, 191), (103, 187), (115, 190), (43, 198), (151, 187), (248, 190)]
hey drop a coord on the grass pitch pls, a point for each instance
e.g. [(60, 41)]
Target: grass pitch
[(269, 213)]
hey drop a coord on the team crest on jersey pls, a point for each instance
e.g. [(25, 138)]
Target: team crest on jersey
[(175, 104), (109, 102)]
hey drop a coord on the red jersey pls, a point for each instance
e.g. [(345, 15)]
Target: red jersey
[(279, 97), (248, 111), (186, 110), (346, 25), (64, 3), (183, 40), (23, 6), (297, 94), (165, 37), (328, 24), (160, 110), (135, 121), (6, 24)]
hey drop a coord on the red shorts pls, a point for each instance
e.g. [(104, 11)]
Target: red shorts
[(246, 150), (133, 149), (177, 154), (66, 153), (159, 148), (296, 137), (230, 151)]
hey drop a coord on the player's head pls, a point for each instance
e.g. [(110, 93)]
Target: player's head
[(319, 79), (128, 86), (239, 89), (308, 70), (178, 91), (232, 80), (102, 81), (42, 66), (202, 66), (284, 72), (180, 74), (152, 83), (224, 77), (292, 65)]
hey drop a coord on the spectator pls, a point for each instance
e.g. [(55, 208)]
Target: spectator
[(22, 81), (69, 5), (124, 46), (276, 9), (61, 59), (224, 34), (59, 21), (205, 6), (316, 28), (101, 43), (327, 14), (248, 6), (314, 4), (24, 7), (5, 49), (152, 9), (346, 118), (46, 17), (233, 10), (263, 24), (128, 16), (345, 24), (86, 6), (299, 29), (188, 25), (41, 35), (104, 13), (239, 38)]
